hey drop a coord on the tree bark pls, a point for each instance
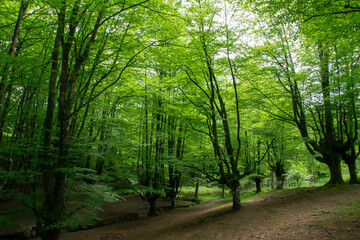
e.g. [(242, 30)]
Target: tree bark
[(235, 190), (55, 201), (353, 174), (173, 202), (350, 160), (51, 103), (222, 190), (258, 185), (171, 192), (5, 109), (196, 194), (333, 161), (50, 234), (152, 203)]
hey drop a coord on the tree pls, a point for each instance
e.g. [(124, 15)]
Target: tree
[(222, 123), (76, 79), (88, 88), (277, 163), (175, 134), (254, 162), (23, 6), (315, 113), (297, 174)]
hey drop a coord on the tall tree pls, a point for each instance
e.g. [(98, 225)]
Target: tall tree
[(71, 52), (215, 93), (6, 69), (311, 85)]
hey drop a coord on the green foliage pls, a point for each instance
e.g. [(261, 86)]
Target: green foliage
[(163, 89), (297, 174), (84, 200), (203, 191), (6, 217)]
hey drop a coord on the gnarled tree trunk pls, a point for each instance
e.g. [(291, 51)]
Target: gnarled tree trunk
[(333, 161), (350, 160), (235, 190)]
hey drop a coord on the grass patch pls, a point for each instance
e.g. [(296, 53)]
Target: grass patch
[(183, 203), (251, 196), (188, 191), (321, 210), (349, 212), (318, 223), (341, 229), (345, 213), (223, 205), (208, 194), (210, 198), (336, 188)]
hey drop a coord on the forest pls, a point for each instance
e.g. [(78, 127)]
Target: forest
[(104, 98)]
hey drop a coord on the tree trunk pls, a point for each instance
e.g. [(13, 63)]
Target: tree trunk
[(52, 226), (4, 185), (352, 171), (173, 202), (196, 195), (235, 190), (6, 70), (174, 175), (279, 181), (55, 202), (350, 160), (99, 166), (152, 203), (51, 103), (333, 161), (258, 185), (50, 235), (5, 109)]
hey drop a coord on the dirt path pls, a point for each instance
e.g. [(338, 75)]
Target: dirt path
[(150, 227), (295, 214)]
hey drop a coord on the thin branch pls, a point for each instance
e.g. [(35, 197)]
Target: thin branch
[(127, 65), (117, 13), (200, 131), (272, 102), (196, 84), (332, 13), (164, 13)]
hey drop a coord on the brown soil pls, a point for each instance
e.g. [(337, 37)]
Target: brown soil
[(307, 213)]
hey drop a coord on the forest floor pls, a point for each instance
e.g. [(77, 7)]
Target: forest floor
[(304, 213)]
